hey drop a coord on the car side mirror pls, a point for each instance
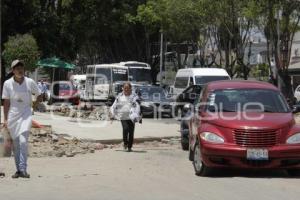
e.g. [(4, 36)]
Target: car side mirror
[(295, 109)]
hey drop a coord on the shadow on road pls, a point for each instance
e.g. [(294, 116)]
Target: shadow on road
[(225, 173), (133, 151)]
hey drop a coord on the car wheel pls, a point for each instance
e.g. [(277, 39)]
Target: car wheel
[(184, 144), (200, 168), (293, 172), (191, 153)]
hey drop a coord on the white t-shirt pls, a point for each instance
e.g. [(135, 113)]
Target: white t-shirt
[(19, 114), (125, 106)]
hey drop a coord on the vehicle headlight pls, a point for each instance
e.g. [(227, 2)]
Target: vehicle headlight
[(211, 137), (294, 139)]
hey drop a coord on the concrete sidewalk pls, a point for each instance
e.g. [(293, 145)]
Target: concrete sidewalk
[(105, 131)]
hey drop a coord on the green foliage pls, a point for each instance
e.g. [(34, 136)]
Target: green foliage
[(259, 71), (22, 47)]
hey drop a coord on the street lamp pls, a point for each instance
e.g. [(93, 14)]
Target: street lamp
[(161, 57)]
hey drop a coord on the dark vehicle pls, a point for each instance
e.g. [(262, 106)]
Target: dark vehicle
[(182, 111), (64, 91), (154, 101), (243, 124), (187, 96)]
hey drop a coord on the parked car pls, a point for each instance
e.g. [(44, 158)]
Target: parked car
[(64, 91), (297, 93), (243, 124), (187, 96), (154, 101), (182, 111)]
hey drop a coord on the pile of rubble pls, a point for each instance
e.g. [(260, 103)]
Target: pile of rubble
[(94, 113), (43, 142)]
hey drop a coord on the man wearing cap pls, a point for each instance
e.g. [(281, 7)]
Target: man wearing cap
[(17, 93)]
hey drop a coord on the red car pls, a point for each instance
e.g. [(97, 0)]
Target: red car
[(64, 91), (243, 124)]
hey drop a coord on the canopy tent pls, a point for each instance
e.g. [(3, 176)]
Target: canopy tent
[(54, 63)]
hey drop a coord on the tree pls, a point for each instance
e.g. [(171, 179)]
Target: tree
[(22, 47), (280, 32)]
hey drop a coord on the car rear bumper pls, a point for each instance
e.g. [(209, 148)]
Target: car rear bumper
[(233, 156)]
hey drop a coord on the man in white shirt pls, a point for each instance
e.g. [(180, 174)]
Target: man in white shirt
[(17, 93)]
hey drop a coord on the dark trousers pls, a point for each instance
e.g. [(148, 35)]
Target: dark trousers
[(128, 132)]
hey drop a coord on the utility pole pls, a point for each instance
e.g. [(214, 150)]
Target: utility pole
[(161, 57), (278, 50)]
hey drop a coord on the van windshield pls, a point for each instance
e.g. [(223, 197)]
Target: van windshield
[(205, 79)]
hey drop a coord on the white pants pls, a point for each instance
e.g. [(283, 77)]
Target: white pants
[(21, 151)]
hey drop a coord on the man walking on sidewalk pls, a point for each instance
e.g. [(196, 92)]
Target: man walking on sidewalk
[(17, 93)]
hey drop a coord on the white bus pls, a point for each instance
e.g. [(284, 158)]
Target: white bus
[(138, 72), (103, 80)]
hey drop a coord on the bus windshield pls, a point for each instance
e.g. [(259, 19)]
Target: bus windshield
[(120, 74), (103, 75), (140, 75)]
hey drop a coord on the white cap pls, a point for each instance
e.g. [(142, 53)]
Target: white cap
[(15, 63)]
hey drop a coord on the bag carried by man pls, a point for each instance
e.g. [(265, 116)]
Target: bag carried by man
[(5, 143)]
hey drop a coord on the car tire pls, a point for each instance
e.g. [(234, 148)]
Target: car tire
[(191, 154), (200, 168), (184, 145), (293, 172)]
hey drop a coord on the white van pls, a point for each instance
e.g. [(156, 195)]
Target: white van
[(102, 81), (197, 76)]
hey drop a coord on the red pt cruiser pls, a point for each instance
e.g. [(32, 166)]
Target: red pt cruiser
[(243, 124)]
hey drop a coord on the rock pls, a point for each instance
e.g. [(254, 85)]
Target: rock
[(70, 154), (60, 154), (54, 138), (98, 146), (56, 147), (165, 141), (62, 141), (43, 133), (92, 150)]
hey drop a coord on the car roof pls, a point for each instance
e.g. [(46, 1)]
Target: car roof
[(202, 72), (239, 84)]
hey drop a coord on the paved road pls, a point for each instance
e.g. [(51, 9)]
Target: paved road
[(148, 173), (105, 130)]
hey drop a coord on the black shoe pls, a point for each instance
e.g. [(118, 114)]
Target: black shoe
[(125, 147), (2, 174), (16, 175), (129, 150), (24, 175)]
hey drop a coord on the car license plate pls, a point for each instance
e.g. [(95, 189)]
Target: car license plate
[(257, 154)]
